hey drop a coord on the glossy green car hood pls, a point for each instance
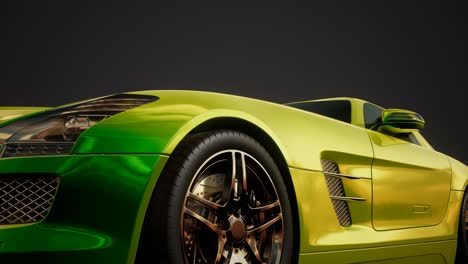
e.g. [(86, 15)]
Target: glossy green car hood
[(16, 112)]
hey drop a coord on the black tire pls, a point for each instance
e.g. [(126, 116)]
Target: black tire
[(254, 223), (462, 243)]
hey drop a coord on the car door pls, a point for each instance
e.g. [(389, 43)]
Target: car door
[(410, 183)]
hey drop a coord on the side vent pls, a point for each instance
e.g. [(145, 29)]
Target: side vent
[(337, 192)]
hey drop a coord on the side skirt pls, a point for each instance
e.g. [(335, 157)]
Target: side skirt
[(431, 252)]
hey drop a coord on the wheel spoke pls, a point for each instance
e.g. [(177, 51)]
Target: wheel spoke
[(210, 225), (233, 193), (242, 169), (253, 247), (264, 208), (221, 243), (205, 201), (264, 226), (239, 175)]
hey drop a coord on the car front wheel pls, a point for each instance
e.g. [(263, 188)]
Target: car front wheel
[(226, 203)]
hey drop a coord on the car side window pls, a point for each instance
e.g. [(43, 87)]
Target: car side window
[(339, 109), (372, 114)]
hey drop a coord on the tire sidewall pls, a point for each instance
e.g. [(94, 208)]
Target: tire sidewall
[(462, 246)]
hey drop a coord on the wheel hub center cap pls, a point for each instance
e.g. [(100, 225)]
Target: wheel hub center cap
[(237, 229)]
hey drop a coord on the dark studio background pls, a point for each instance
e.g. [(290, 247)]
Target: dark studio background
[(405, 54)]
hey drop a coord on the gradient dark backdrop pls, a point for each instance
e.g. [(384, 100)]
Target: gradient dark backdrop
[(408, 54)]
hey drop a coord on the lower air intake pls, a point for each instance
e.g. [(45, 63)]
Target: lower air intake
[(26, 199)]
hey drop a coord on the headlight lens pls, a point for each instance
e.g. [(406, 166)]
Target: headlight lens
[(58, 129), (75, 125)]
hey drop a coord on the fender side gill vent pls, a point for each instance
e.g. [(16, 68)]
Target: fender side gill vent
[(336, 189)]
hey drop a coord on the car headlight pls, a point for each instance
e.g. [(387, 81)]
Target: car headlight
[(55, 132)]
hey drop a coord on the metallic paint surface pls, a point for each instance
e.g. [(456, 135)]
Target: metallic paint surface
[(97, 213), (401, 183), (12, 112), (107, 183)]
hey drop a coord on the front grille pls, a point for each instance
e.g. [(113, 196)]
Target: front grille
[(335, 188), (26, 199), (36, 149)]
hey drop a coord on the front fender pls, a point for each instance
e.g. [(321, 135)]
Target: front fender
[(156, 129), (219, 113)]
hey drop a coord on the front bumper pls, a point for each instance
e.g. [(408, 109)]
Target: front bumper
[(97, 213)]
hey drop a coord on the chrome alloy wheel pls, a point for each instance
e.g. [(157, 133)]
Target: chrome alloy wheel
[(232, 212)]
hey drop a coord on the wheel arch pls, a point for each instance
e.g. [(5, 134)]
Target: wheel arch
[(258, 132)]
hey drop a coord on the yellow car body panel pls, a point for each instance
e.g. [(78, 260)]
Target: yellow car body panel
[(402, 196)]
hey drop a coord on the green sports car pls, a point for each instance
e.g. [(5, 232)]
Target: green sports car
[(199, 177)]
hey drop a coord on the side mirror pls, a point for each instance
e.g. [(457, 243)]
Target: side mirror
[(398, 121)]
